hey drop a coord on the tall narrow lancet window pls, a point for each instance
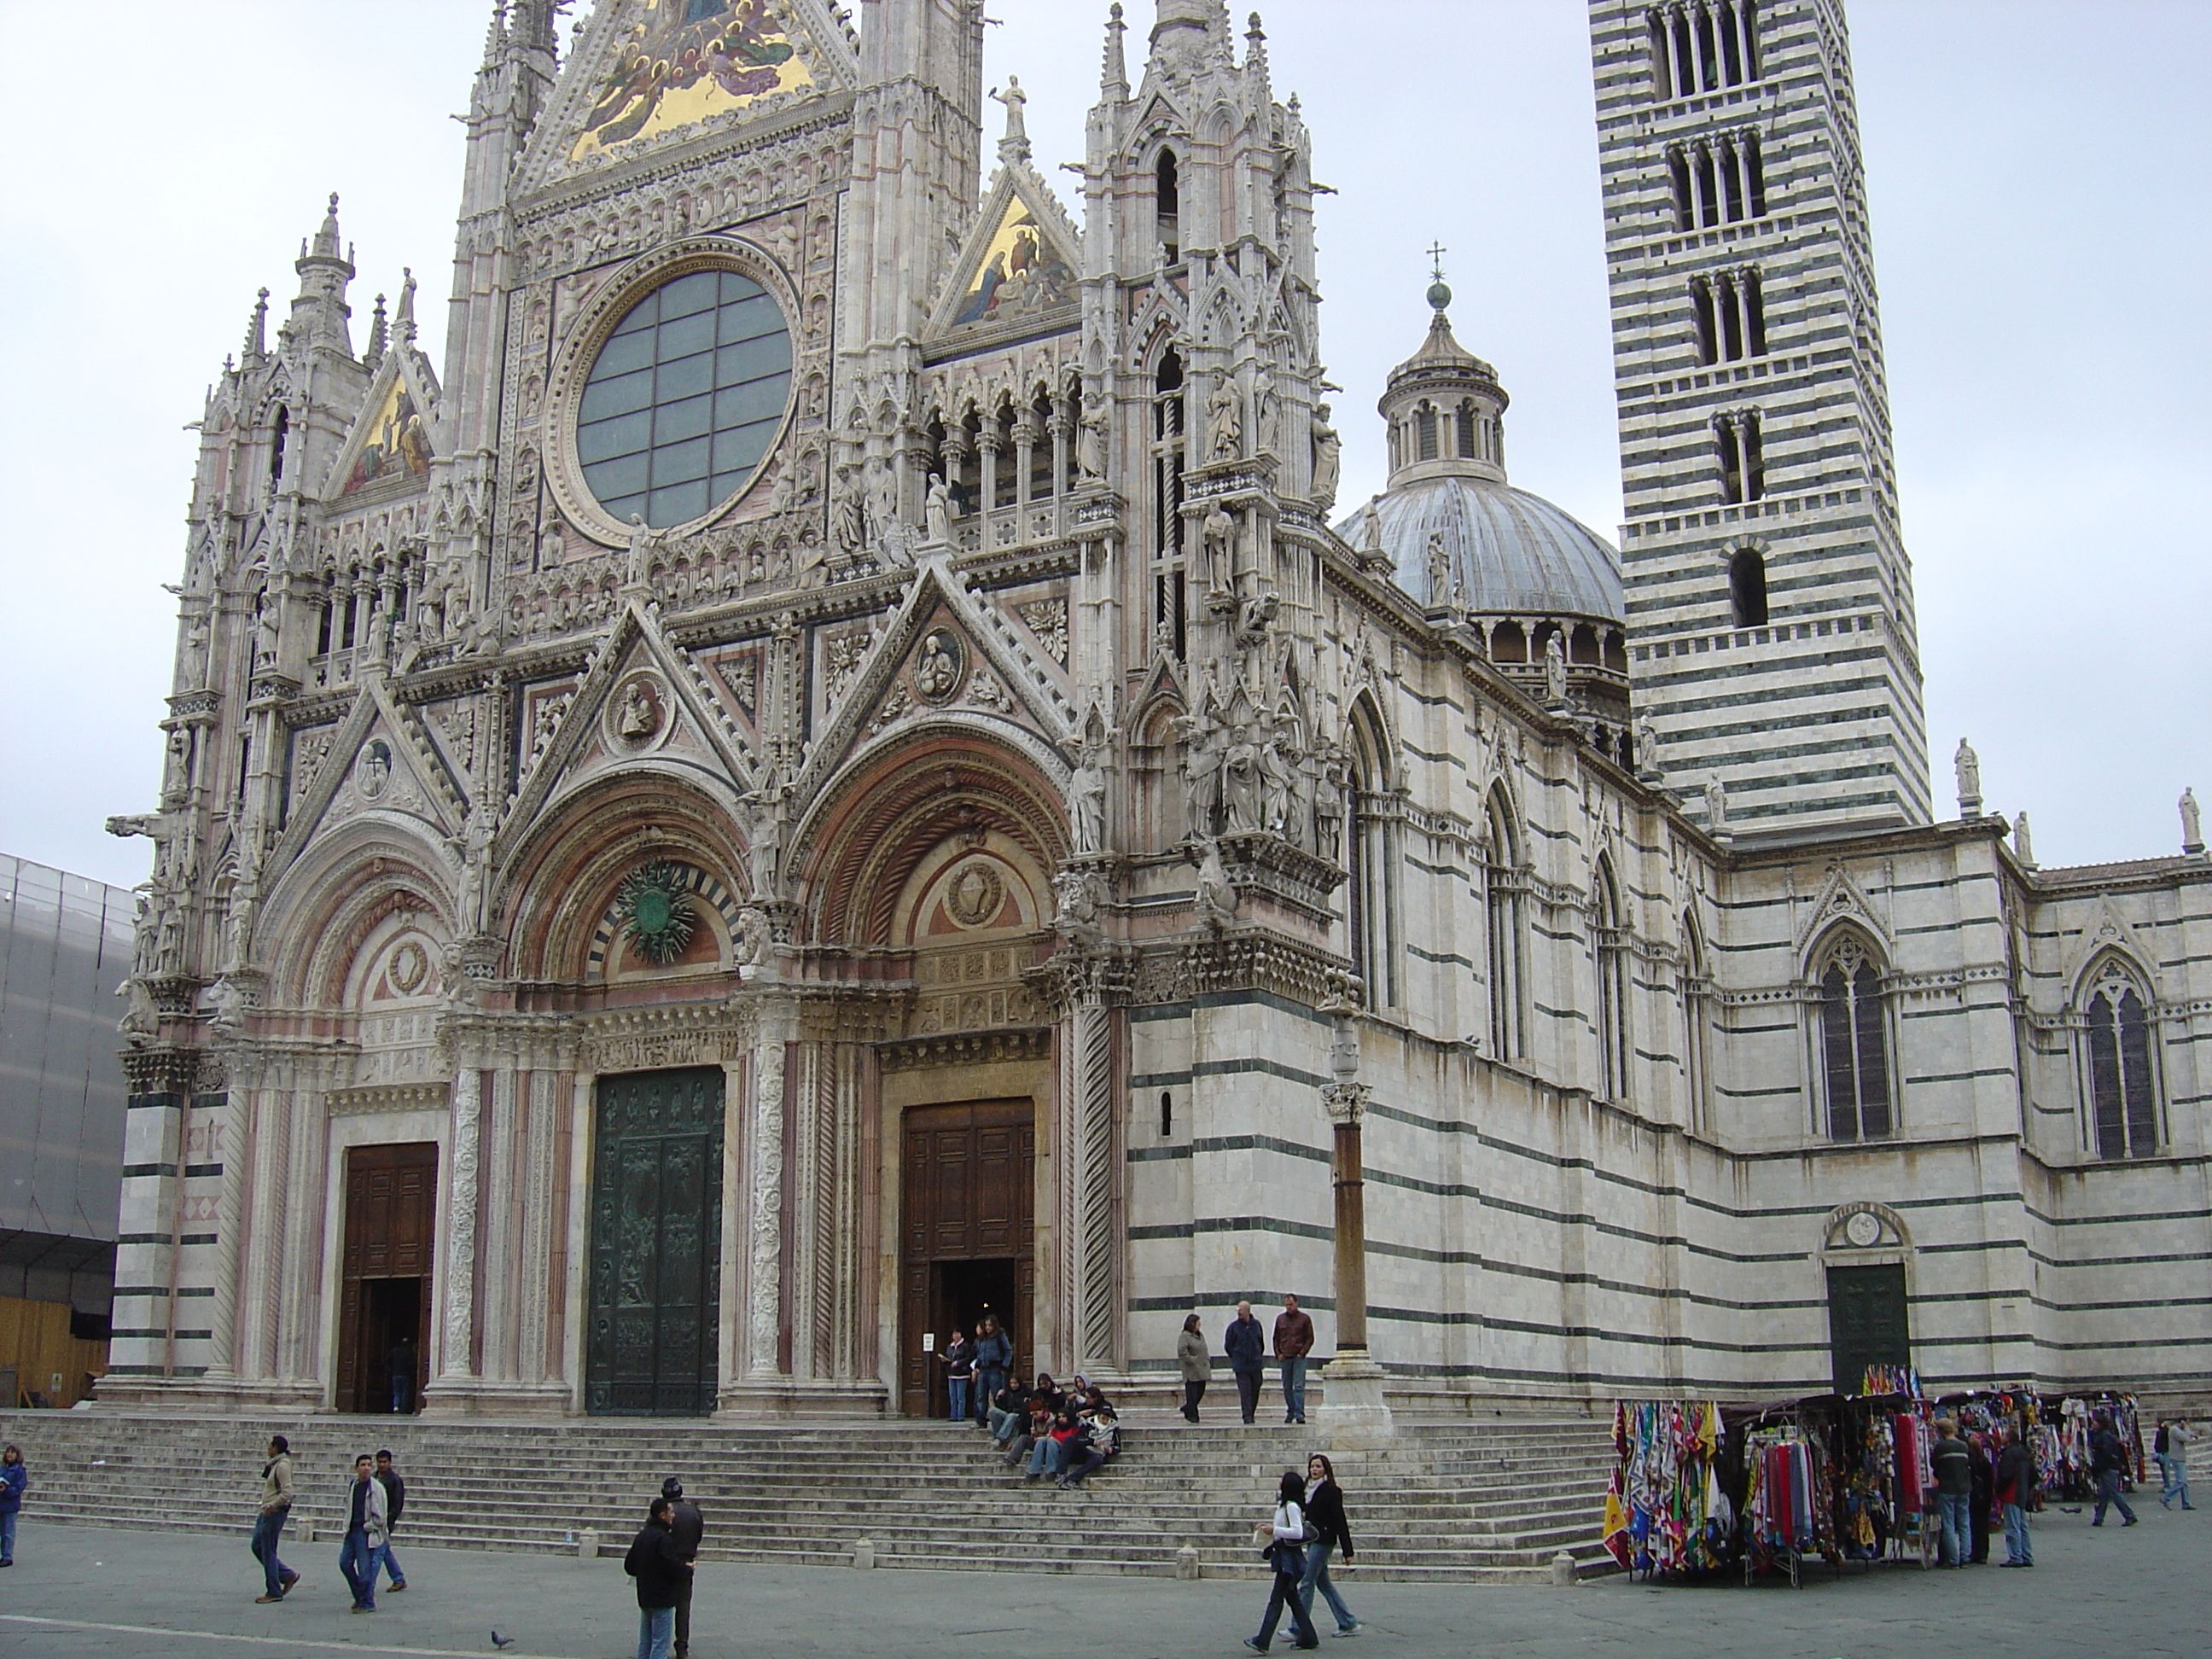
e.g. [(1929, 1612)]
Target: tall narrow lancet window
[(1743, 463), (2123, 1095), (276, 449), (1504, 884), (1372, 916), (1697, 1023), (1610, 928), (1853, 1045), (1168, 206), (1747, 587), (1169, 454), (1424, 433)]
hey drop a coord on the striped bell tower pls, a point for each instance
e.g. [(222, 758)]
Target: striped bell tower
[(1772, 641)]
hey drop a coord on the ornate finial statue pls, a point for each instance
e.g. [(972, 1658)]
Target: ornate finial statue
[(1225, 422), (1969, 767), (1439, 571), (1090, 440), (1555, 669), (1015, 146), (1647, 746), (1086, 802), (2022, 848), (1716, 805), (2192, 822), (643, 539), (937, 512), (1327, 460)]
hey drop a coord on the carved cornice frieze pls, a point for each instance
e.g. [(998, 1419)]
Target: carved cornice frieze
[(1087, 970), (388, 1097), (162, 1070), (1247, 960), (1270, 868), (965, 1048), (539, 1042)]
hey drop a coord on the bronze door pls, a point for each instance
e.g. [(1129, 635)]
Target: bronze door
[(1868, 1323), (968, 1233), (385, 1272), (653, 1325)]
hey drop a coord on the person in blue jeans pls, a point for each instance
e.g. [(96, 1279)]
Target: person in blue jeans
[(365, 1537), (276, 1495), (1953, 1462), (2109, 1458), (661, 1572), (395, 1500), (1331, 1533), (959, 1357), (995, 1360), (13, 1478), (2016, 1492)]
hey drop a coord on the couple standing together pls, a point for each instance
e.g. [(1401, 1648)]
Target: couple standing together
[(1307, 1527), (1244, 1344)]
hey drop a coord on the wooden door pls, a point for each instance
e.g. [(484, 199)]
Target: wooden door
[(653, 1327), (1868, 1323), (391, 1224), (969, 1195)]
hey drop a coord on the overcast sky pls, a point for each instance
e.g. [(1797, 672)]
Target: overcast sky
[(2039, 175)]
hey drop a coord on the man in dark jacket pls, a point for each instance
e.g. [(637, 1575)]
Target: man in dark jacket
[(661, 1574), (2109, 1459), (1954, 1486), (1294, 1338), (994, 1359), (1246, 1345), (395, 1500), (687, 1527), (2015, 1490)]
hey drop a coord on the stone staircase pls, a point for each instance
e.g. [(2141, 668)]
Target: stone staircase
[(1462, 1501)]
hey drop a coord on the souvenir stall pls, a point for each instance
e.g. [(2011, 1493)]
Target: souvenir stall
[(1665, 1511), (2062, 1446)]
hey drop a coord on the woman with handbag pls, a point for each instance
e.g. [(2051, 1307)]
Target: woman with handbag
[(1325, 1510), (1283, 1540)]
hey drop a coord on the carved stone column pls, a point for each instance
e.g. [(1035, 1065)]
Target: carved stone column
[(1087, 977), (764, 1218), (1352, 1398), (458, 1361)]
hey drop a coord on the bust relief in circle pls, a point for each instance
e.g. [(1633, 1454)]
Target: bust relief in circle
[(1864, 1229), (940, 667), (637, 714), (373, 774)]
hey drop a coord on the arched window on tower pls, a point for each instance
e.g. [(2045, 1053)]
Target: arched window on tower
[(1854, 1046), (1610, 927), (1424, 433), (1167, 200), (1470, 433), (1742, 457), (276, 448), (1504, 884), (1747, 587), (2121, 1090)]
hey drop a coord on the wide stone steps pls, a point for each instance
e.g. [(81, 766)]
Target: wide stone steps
[(1464, 1501)]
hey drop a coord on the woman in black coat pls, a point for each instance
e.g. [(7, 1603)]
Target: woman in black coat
[(1332, 1534)]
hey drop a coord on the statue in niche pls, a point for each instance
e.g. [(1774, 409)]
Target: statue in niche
[(1439, 570), (883, 501), (1968, 767), (1328, 805), (1225, 422), (1555, 669), (938, 513), (1218, 536), (1327, 460), (1091, 441), (1086, 802), (1240, 782), (764, 835), (1275, 774), (1647, 746), (2192, 822), (644, 542), (1716, 805), (474, 846), (194, 665), (1201, 770), (1270, 422), (849, 517), (265, 630)]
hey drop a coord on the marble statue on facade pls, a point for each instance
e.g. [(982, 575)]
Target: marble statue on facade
[(1225, 422), (1327, 460), (2192, 822), (1968, 767)]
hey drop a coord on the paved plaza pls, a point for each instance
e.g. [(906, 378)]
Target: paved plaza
[(83, 1591)]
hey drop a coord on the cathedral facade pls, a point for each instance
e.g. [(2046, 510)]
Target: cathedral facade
[(838, 767)]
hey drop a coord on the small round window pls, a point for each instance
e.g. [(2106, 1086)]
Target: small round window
[(685, 398)]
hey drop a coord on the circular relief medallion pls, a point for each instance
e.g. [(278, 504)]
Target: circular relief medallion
[(373, 775), (977, 895), (1863, 1230), (940, 666), (655, 913), (409, 968)]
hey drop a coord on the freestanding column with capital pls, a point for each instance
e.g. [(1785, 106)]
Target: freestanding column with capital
[(1352, 1402)]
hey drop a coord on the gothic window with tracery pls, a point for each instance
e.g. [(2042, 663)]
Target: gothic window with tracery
[(1503, 886), (1611, 958), (2123, 1093), (1697, 1020), (1855, 1045), (1168, 458)]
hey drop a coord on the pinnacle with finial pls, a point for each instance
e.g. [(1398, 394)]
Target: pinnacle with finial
[(1115, 77), (1440, 295)]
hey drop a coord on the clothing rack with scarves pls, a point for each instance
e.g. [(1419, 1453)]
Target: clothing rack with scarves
[(2068, 1472), (1665, 1511), (1880, 1479), (1786, 1515)]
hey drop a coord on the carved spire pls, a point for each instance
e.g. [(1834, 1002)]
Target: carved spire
[(380, 336), (1255, 61), (495, 35), (319, 312), (257, 329), (1114, 81)]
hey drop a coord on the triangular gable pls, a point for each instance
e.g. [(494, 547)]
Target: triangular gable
[(641, 698), (1019, 273), (651, 73), (908, 677), (381, 760), (2106, 929), (1842, 899), (390, 446)]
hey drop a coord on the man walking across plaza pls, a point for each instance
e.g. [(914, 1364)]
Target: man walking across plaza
[(2177, 1466), (276, 1495), (687, 1527), (660, 1574), (2016, 1492), (1246, 1346), (395, 1500), (1954, 1462), (365, 1535), (2108, 1458), (1294, 1336)]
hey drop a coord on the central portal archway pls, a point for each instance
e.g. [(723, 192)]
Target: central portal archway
[(967, 1235)]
